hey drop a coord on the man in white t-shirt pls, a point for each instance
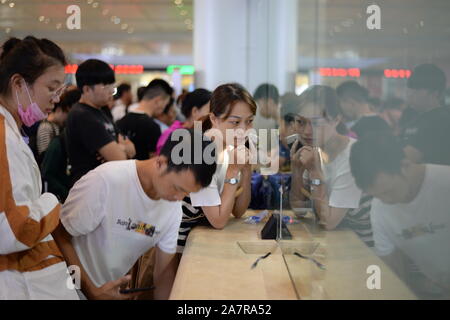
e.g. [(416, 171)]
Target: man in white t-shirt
[(411, 213), (117, 212)]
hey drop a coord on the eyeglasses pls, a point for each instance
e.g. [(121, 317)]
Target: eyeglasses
[(57, 94), (109, 87)]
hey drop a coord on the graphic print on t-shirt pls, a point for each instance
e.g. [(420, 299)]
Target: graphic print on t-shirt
[(420, 230), (139, 227)]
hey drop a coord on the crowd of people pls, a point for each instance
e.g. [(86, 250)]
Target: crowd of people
[(89, 178)]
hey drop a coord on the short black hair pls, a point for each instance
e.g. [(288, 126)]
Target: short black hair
[(203, 171), (140, 93), (154, 90), (428, 76), (163, 84), (352, 90), (67, 100), (121, 89), (373, 154), (197, 98), (92, 72), (267, 91)]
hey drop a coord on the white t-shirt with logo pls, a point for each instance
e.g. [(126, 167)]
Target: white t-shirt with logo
[(113, 222), (421, 228)]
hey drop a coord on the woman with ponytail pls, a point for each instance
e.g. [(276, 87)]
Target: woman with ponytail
[(31, 265)]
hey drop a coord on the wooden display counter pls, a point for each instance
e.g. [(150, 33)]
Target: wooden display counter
[(216, 264)]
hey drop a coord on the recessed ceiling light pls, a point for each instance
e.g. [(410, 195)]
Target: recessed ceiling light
[(4, 1), (117, 21), (11, 5), (95, 5), (41, 18)]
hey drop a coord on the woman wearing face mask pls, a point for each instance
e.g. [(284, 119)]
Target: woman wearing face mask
[(321, 169), (31, 265)]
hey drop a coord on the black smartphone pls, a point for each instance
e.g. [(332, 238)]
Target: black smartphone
[(125, 291)]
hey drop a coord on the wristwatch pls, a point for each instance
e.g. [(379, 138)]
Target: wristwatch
[(315, 183), (232, 181)]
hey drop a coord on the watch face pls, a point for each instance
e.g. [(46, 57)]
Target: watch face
[(233, 181)]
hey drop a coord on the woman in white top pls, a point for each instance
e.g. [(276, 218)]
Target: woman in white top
[(321, 169), (231, 108), (31, 265)]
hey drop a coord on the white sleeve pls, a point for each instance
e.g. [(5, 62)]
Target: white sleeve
[(168, 242), (83, 210), (207, 197), (343, 190), (383, 245)]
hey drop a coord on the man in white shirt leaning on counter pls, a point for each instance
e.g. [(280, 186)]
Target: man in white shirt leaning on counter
[(117, 212), (410, 213)]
